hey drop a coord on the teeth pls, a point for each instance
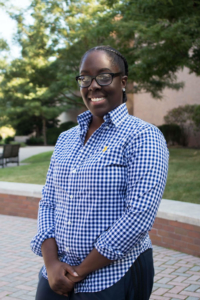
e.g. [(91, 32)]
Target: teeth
[(96, 99)]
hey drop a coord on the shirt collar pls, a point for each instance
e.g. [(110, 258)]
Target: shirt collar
[(116, 116)]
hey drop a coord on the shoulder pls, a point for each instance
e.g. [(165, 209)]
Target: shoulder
[(136, 127), (67, 135)]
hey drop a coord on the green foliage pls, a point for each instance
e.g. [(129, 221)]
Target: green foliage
[(35, 141), (180, 115), (172, 133), (196, 116), (66, 126), (158, 38), (31, 86), (22, 144), (187, 117), (8, 139), (53, 133)]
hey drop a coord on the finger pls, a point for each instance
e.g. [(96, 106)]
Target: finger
[(71, 270)]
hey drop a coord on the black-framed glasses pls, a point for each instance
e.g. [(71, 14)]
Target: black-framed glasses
[(102, 79)]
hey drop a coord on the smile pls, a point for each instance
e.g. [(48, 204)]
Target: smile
[(97, 99)]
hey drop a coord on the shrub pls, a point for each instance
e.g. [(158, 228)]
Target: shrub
[(66, 126), (22, 144), (184, 117), (172, 133), (8, 139), (53, 133), (35, 141), (196, 116)]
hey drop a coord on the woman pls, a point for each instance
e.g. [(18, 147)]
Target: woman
[(103, 188)]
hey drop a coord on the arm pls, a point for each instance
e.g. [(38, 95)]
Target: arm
[(57, 270), (94, 261), (147, 173), (44, 243), (46, 229)]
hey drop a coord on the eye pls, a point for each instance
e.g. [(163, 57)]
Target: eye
[(104, 78), (84, 78)]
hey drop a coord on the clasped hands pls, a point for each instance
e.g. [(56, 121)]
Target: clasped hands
[(62, 277)]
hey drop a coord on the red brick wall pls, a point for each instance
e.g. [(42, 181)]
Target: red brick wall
[(176, 235), (21, 206), (166, 233)]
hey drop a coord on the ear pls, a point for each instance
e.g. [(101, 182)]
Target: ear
[(124, 81)]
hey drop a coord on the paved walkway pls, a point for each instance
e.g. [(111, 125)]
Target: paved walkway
[(177, 274)]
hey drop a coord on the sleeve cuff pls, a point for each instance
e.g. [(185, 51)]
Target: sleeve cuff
[(36, 242), (108, 252)]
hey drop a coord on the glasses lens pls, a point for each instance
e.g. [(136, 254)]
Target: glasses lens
[(84, 81), (104, 79)]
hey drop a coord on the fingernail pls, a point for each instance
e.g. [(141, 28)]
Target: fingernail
[(75, 274)]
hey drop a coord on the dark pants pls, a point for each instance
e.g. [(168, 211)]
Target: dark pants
[(136, 284)]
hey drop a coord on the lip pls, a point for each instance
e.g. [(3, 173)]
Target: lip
[(103, 99), (96, 96)]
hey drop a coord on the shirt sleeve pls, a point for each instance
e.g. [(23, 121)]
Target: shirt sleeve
[(45, 213), (147, 175)]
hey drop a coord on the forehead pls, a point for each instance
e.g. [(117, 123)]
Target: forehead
[(97, 60)]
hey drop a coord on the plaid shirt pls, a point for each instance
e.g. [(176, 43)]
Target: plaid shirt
[(104, 194)]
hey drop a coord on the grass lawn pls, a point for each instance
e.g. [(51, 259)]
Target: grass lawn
[(183, 182), (34, 172)]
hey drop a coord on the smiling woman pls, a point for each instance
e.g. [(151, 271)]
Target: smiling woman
[(103, 188)]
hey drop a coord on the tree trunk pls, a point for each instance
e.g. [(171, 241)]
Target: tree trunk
[(44, 131)]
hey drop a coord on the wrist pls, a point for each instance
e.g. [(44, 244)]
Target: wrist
[(51, 263), (80, 270)]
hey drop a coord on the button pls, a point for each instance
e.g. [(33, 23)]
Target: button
[(107, 127), (74, 171), (71, 197), (69, 223), (67, 248)]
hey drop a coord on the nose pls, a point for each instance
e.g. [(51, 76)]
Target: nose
[(94, 84)]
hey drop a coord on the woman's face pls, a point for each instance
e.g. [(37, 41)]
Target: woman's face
[(107, 97)]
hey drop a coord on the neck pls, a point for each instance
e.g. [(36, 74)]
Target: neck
[(96, 122)]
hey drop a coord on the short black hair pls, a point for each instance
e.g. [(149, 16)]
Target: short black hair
[(116, 57)]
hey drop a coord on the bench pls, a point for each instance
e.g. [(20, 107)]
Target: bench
[(10, 154)]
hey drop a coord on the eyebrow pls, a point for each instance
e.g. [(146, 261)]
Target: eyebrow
[(101, 70)]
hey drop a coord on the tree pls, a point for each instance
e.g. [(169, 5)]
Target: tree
[(30, 85), (158, 37)]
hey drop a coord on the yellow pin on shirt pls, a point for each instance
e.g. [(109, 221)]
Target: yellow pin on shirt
[(105, 148)]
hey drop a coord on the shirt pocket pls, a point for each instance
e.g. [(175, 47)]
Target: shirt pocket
[(113, 157)]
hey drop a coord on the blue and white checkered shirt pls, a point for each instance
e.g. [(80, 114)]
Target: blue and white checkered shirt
[(104, 194)]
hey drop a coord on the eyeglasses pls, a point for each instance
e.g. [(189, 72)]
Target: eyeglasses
[(102, 79)]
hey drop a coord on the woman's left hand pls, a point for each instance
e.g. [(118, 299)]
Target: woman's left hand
[(75, 278)]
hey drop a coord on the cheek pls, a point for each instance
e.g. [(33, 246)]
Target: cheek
[(83, 94)]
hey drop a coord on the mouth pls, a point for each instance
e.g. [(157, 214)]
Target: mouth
[(97, 99)]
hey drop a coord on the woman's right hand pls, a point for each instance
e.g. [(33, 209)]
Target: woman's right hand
[(57, 277), (56, 270)]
